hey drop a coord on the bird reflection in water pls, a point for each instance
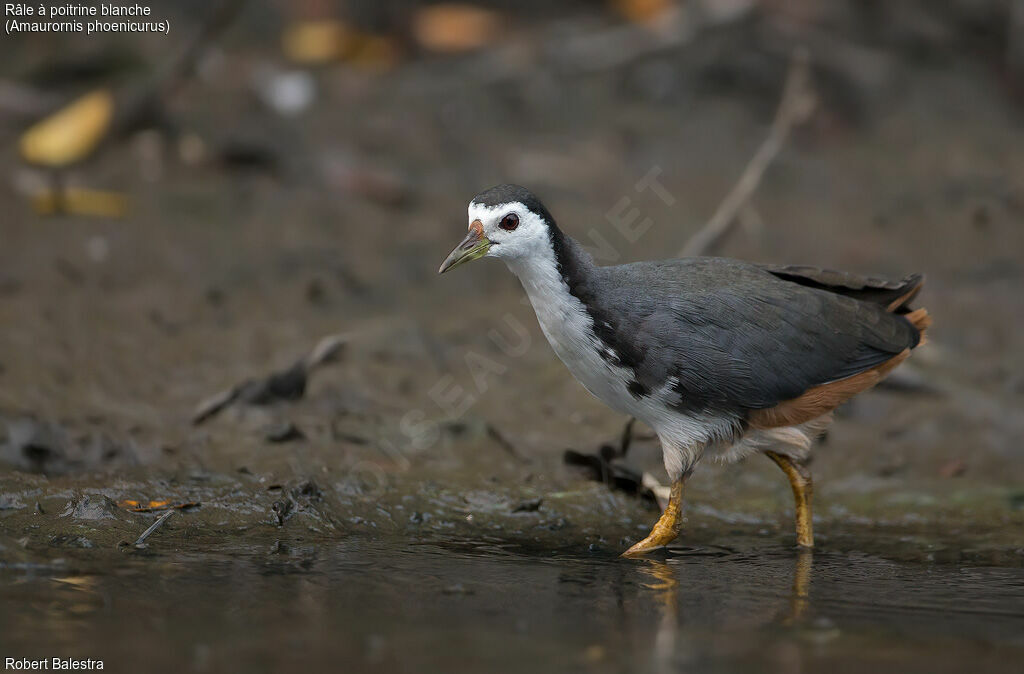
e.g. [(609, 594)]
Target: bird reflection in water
[(662, 580)]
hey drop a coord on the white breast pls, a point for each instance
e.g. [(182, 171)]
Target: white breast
[(569, 329)]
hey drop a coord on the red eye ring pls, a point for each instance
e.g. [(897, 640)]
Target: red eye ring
[(509, 222)]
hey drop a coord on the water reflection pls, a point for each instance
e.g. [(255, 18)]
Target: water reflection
[(666, 591), (665, 587), (475, 606), (799, 598)]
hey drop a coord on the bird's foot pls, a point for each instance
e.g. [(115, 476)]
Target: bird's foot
[(652, 542), (667, 527)]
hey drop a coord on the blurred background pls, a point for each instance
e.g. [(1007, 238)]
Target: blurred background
[(219, 298)]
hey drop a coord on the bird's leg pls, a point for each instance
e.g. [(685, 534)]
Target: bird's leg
[(800, 480), (667, 527)]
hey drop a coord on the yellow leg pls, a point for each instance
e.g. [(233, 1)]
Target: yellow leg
[(800, 481), (667, 528)]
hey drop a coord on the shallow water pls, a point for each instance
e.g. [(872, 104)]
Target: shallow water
[(367, 605)]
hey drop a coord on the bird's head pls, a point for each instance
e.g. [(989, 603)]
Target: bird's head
[(506, 222)]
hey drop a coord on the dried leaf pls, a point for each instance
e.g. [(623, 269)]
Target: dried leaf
[(453, 27), (151, 506), (316, 42), (70, 134), (80, 201)]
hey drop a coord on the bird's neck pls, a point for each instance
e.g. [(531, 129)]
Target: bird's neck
[(555, 272), (562, 284)]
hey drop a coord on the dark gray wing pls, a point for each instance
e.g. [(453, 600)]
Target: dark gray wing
[(893, 295), (725, 334)]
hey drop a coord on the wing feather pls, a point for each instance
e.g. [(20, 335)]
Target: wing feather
[(724, 334)]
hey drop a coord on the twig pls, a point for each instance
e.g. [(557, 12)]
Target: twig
[(627, 437), (325, 351), (153, 527), (145, 104), (494, 434), (795, 107), (209, 32), (214, 404), (288, 384)]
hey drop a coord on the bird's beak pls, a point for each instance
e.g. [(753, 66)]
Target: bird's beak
[(474, 246)]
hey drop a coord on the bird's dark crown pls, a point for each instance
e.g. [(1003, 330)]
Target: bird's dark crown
[(507, 194)]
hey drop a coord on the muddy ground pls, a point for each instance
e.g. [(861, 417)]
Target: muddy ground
[(433, 430)]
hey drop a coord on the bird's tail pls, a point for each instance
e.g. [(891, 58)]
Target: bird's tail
[(920, 319)]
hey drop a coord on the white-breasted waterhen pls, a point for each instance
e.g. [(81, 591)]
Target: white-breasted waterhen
[(722, 358)]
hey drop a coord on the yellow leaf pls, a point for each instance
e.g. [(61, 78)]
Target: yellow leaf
[(454, 27), (315, 42), (70, 134), (78, 201)]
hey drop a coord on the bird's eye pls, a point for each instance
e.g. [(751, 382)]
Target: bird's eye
[(509, 222)]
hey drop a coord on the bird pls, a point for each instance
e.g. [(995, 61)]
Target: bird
[(722, 358)]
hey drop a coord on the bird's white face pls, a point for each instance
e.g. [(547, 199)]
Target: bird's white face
[(507, 231), (514, 231)]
